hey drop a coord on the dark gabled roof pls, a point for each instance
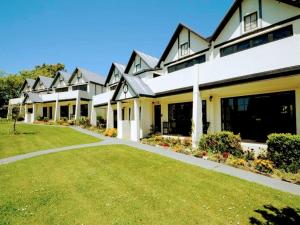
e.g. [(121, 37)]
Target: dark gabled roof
[(139, 88), (148, 59), (47, 81), (179, 28), (33, 97), (234, 7), (120, 68), (89, 76), (28, 81), (65, 75)]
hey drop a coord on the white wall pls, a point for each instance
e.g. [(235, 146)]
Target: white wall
[(196, 44), (272, 12), (137, 60)]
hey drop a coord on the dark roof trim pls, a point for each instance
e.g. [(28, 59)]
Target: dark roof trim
[(111, 70), (144, 71), (284, 72), (179, 28), (235, 6), (259, 30), (100, 105), (132, 57), (174, 92)]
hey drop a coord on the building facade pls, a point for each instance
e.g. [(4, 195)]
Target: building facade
[(245, 78)]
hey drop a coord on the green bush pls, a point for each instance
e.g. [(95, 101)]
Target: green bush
[(224, 141), (284, 151)]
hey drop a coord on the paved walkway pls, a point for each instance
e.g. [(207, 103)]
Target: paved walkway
[(242, 174)]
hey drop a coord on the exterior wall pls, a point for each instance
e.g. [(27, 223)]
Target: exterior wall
[(138, 60), (196, 44), (275, 55), (270, 15)]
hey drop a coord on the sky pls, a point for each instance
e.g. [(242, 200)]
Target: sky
[(94, 33)]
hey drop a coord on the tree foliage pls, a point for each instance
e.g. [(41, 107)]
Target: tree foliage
[(10, 84)]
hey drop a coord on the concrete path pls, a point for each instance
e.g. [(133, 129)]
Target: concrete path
[(242, 174)]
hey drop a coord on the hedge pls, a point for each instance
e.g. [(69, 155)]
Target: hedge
[(284, 151), (220, 142)]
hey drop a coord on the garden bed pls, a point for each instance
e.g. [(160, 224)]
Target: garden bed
[(246, 161)]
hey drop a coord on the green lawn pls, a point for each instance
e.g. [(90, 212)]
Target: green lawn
[(121, 185), (32, 138)]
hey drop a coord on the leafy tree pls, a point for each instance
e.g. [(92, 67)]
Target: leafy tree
[(15, 114)]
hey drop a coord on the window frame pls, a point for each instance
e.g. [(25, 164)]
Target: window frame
[(184, 52), (249, 27)]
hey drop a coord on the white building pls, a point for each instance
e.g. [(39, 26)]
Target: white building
[(244, 78), (66, 96)]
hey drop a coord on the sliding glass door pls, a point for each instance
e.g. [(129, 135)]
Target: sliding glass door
[(256, 116)]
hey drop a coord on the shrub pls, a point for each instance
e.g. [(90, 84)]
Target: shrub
[(39, 118), (84, 122), (284, 151), (111, 132), (71, 122), (46, 119), (236, 162), (222, 142), (20, 118), (263, 165), (249, 155)]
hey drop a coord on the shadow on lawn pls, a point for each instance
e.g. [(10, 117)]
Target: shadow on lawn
[(275, 216)]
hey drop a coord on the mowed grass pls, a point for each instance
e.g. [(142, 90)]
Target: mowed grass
[(121, 185), (32, 138)]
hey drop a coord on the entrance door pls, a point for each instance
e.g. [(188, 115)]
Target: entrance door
[(45, 114), (157, 118), (50, 113), (180, 118), (115, 119), (64, 111)]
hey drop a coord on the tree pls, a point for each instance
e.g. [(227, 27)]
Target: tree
[(15, 115)]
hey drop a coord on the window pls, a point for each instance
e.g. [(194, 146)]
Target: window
[(80, 87), (184, 49), (259, 40), (129, 113), (186, 64), (253, 116), (84, 110), (250, 22), (123, 114), (30, 110), (138, 65), (65, 89)]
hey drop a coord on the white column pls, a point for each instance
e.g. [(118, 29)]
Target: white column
[(26, 114), (34, 111), (136, 127), (56, 110), (93, 116), (298, 110), (211, 114), (197, 125), (90, 109), (119, 119), (77, 108), (110, 116), (70, 111)]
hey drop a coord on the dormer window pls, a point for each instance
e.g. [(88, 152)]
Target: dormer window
[(61, 79), (79, 76), (250, 22), (138, 66), (184, 49)]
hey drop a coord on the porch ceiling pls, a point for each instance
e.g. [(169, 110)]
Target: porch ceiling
[(257, 87)]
